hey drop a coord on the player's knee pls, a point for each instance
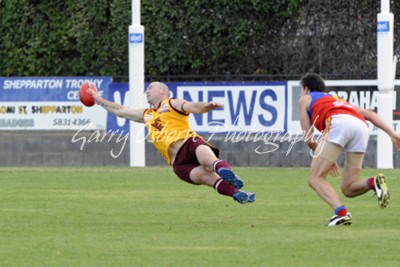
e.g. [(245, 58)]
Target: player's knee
[(207, 164), (311, 182), (347, 192)]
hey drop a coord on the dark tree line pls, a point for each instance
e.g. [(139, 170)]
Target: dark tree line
[(185, 39)]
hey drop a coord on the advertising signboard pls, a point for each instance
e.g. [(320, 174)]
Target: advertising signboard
[(248, 107), (49, 103)]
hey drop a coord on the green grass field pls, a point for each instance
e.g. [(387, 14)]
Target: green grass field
[(109, 216)]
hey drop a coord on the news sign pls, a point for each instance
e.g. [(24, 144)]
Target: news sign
[(248, 106), (49, 103)]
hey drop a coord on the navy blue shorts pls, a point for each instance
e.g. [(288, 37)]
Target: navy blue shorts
[(186, 160)]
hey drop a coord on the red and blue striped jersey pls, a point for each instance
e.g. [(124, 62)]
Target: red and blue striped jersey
[(324, 105)]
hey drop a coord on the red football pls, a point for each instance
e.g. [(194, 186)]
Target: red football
[(84, 95)]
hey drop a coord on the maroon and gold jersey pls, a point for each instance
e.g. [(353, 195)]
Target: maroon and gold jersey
[(166, 125), (324, 105)]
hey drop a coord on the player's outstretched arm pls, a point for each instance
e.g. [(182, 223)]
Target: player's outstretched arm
[(118, 109), (376, 120), (195, 107)]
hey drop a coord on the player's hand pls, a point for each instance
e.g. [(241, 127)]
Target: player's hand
[(334, 171), (396, 140), (213, 105), (200, 107), (92, 91)]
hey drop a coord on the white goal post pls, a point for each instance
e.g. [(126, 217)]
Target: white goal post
[(136, 86), (386, 76)]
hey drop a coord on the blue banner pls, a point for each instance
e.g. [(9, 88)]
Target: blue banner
[(63, 89), (248, 106), (49, 103)]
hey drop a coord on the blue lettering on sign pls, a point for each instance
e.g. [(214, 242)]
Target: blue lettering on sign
[(383, 26), (136, 38), (241, 104), (117, 93), (211, 96), (33, 89), (269, 108), (244, 107)]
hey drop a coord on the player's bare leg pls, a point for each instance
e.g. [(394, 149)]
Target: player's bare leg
[(210, 162), (317, 181), (200, 175)]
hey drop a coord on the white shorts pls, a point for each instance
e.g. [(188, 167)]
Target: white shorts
[(349, 132)]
